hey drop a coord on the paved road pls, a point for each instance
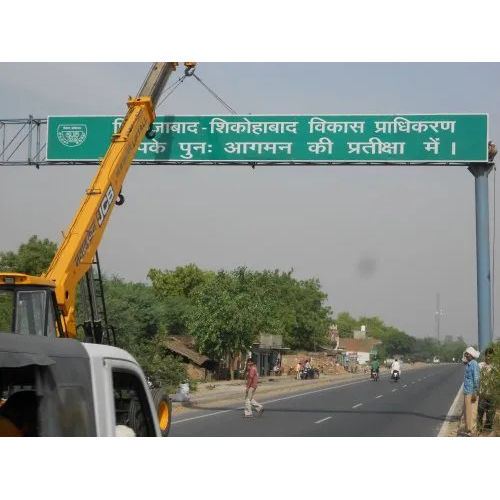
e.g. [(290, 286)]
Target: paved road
[(415, 406)]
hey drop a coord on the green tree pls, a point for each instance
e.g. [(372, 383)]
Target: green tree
[(225, 316), (346, 324), (231, 309), (313, 317), (425, 349), (182, 282), (134, 309), (158, 363), (398, 343), (375, 327), (141, 322), (449, 351), (295, 309), (175, 289), (490, 381), (33, 257)]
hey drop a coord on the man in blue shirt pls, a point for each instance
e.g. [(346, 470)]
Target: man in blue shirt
[(471, 388)]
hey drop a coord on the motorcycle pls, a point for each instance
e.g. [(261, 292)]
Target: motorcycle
[(374, 376), (395, 375), (309, 373)]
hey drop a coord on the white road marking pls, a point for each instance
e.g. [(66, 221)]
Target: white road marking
[(394, 390), (359, 404), (405, 385), (379, 396), (272, 401), (322, 420), (201, 416), (413, 382)]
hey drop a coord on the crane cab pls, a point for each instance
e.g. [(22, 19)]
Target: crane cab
[(28, 306)]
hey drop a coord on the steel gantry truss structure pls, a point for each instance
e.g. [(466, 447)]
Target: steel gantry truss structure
[(23, 141)]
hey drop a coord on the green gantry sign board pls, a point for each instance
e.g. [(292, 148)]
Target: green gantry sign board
[(282, 138)]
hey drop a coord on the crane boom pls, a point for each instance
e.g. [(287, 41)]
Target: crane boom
[(76, 252)]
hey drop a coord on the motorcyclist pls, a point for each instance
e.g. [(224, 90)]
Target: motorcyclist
[(396, 367), (307, 368), (375, 368)]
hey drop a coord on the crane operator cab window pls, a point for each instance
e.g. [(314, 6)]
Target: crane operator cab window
[(6, 311), (28, 312)]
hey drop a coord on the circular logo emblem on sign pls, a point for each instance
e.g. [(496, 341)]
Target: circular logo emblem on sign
[(72, 135)]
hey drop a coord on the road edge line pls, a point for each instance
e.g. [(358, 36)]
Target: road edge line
[(454, 412)]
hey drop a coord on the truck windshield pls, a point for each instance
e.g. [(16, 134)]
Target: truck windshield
[(30, 312), (6, 310)]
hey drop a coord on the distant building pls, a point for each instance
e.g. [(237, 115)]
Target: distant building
[(360, 334), (359, 349)]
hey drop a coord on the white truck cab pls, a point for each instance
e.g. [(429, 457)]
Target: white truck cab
[(77, 389)]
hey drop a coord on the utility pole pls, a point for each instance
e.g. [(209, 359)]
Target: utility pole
[(480, 173), (438, 314)]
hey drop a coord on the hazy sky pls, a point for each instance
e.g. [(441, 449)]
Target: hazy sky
[(382, 240)]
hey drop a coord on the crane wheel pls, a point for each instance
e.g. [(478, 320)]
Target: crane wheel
[(163, 406), (136, 418)]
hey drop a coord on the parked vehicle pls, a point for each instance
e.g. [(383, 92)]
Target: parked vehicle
[(395, 375), (309, 373)]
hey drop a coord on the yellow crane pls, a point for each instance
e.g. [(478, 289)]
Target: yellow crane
[(45, 305)]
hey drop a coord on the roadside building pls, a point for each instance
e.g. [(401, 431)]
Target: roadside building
[(359, 349), (199, 366), (267, 351)]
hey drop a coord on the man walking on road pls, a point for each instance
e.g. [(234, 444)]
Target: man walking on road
[(471, 388), (251, 386)]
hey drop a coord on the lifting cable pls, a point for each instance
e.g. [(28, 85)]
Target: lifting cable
[(229, 108), (173, 87), (190, 72)]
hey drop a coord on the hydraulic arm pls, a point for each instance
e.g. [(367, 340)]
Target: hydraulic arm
[(75, 255)]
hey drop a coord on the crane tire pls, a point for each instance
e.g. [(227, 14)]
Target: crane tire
[(163, 406), (136, 418)]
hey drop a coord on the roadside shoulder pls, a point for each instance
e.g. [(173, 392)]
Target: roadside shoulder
[(452, 422)]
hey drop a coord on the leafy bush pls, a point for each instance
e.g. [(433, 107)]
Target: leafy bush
[(33, 257)]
